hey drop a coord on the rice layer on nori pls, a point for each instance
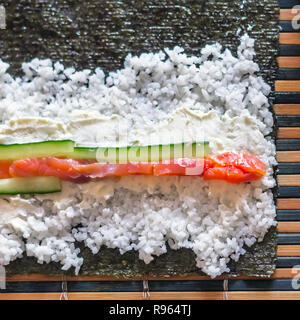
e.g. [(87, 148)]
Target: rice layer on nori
[(102, 33)]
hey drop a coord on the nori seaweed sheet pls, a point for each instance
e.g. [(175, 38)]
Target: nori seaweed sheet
[(100, 33)]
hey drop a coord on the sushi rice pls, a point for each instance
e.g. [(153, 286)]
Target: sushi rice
[(154, 93)]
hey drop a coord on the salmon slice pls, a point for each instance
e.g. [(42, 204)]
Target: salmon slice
[(179, 167), (69, 169), (4, 168), (234, 167), (48, 166), (230, 174), (99, 170), (244, 161)]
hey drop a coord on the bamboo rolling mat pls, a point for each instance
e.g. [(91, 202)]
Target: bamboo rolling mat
[(280, 285)]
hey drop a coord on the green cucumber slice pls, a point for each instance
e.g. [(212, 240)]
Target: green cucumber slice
[(30, 185), (66, 149), (84, 153), (151, 153), (61, 148)]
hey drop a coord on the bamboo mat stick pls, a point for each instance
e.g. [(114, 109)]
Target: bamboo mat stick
[(288, 62), (288, 156), (287, 109), (288, 204), (31, 296), (288, 133), (288, 14), (288, 250), (292, 180), (114, 296), (264, 295), (215, 295), (289, 38), (288, 226), (287, 85)]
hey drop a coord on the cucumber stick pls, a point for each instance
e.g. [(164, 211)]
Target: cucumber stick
[(62, 148), (30, 185), (151, 153), (67, 149)]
